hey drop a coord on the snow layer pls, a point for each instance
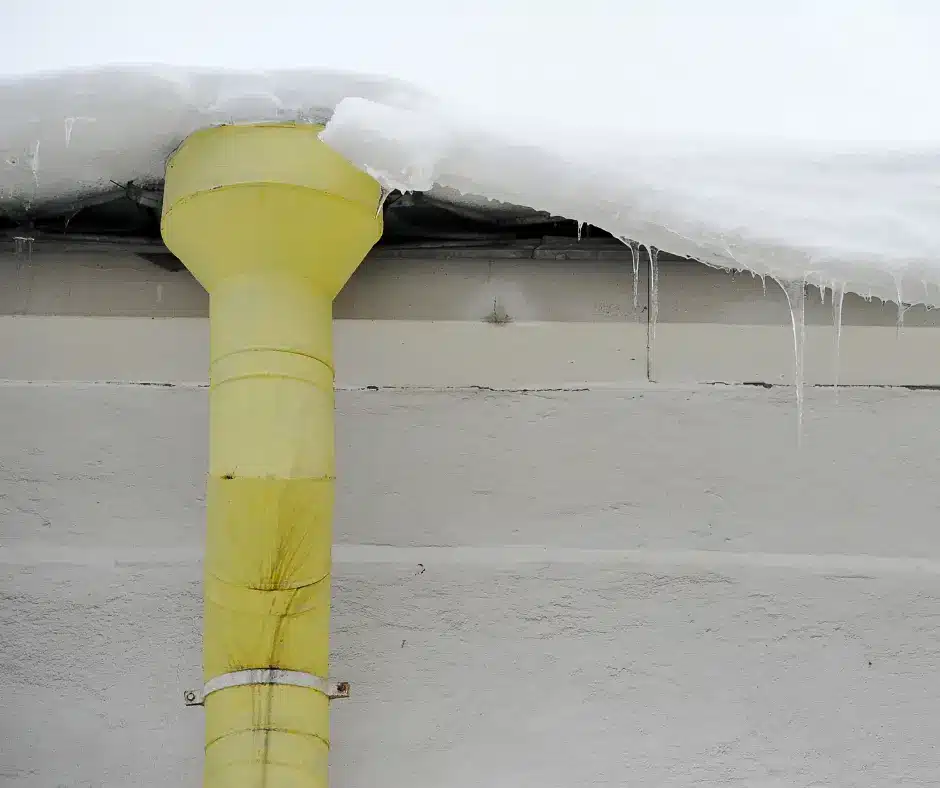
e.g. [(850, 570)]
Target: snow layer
[(798, 141), (67, 137), (868, 216)]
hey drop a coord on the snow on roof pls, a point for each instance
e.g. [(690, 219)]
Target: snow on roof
[(798, 140), (67, 136)]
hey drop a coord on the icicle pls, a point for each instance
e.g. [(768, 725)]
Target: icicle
[(634, 247), (580, 225), (383, 196), (796, 298), (653, 253), (70, 127), (635, 254), (34, 163), (23, 244), (901, 307), (763, 281), (822, 294), (838, 296)]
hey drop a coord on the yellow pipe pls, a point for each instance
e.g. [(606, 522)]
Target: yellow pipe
[(272, 223)]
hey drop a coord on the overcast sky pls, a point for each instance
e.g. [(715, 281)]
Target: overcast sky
[(814, 68)]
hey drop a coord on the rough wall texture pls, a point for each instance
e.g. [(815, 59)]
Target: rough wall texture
[(574, 588), (633, 586), (77, 315)]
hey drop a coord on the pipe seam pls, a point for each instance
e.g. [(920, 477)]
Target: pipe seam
[(269, 349), (269, 729), (182, 202)]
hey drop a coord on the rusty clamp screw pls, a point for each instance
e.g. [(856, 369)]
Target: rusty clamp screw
[(337, 690)]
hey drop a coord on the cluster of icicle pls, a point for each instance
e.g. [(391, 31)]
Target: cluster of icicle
[(802, 216), (795, 291)]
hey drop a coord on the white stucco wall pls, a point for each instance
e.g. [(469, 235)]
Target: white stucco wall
[(633, 584)]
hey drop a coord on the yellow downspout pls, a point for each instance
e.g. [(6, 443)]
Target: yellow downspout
[(272, 223)]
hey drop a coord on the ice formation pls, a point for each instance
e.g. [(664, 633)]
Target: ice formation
[(72, 136), (838, 296), (796, 298), (634, 247), (796, 211), (798, 141)]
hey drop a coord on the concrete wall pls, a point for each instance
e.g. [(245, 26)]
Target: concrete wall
[(572, 323), (633, 584)]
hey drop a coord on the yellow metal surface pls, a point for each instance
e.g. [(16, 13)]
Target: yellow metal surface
[(273, 223)]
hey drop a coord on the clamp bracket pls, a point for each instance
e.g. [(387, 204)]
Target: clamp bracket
[(334, 690)]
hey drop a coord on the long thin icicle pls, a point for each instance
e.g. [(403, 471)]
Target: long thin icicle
[(653, 253), (635, 254), (838, 296), (796, 297), (34, 163), (634, 247), (902, 309)]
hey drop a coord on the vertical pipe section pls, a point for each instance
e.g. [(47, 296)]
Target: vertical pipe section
[(272, 223), (270, 498)]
